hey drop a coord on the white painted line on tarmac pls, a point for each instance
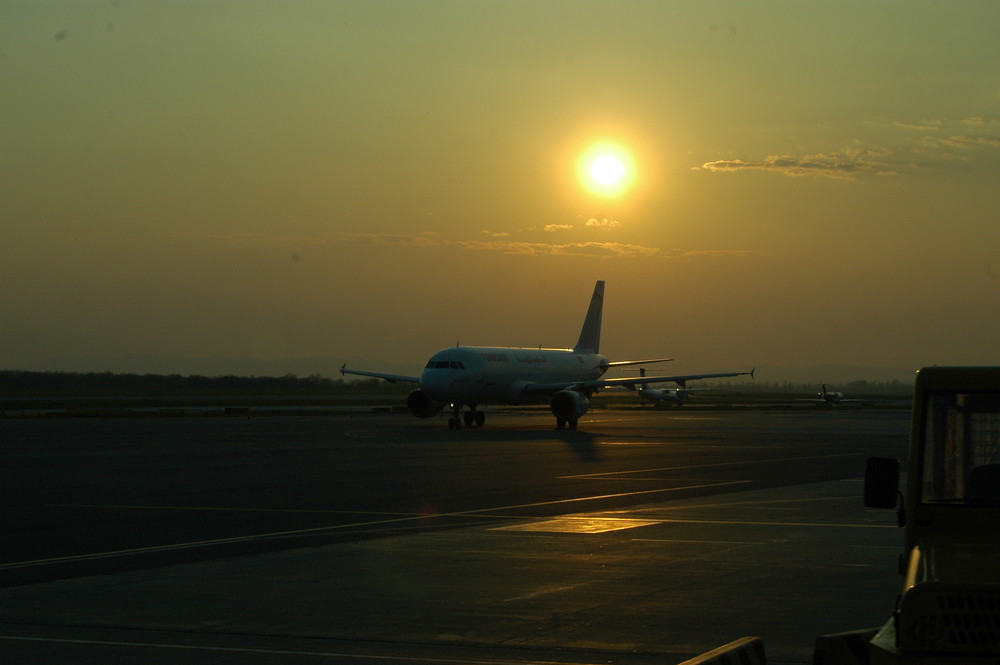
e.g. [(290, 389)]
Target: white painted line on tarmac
[(222, 510), (604, 496), (605, 474), (701, 542), (834, 525), (268, 652), (579, 524), (333, 528)]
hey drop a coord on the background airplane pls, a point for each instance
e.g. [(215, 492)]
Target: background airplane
[(831, 398), (471, 376), (666, 395)]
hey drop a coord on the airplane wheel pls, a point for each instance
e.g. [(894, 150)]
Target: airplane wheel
[(480, 418), (560, 423), (572, 424), (454, 423), (469, 418)]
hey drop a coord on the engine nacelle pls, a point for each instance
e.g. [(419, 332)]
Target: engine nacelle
[(569, 405), (423, 406)]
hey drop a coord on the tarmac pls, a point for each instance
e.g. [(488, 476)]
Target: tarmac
[(659, 581)]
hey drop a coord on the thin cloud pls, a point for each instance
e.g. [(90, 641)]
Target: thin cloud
[(714, 253), (968, 149), (429, 239), (495, 243), (552, 228), (589, 249), (603, 223), (922, 143), (920, 125), (426, 239), (969, 142), (842, 166)]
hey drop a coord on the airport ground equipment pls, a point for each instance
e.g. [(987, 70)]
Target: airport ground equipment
[(949, 608)]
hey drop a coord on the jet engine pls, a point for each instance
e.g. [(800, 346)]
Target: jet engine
[(569, 405), (423, 406)]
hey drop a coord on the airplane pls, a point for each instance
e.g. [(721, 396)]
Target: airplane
[(666, 395), (831, 398), (477, 375)]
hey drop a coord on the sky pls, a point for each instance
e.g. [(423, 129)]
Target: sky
[(802, 182)]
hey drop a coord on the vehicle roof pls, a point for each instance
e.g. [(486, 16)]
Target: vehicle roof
[(972, 378)]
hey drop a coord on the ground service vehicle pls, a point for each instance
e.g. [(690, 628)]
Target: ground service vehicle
[(949, 609)]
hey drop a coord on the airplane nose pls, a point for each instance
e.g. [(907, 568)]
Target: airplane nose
[(434, 383)]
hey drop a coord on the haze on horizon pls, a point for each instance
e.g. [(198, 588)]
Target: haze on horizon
[(789, 184)]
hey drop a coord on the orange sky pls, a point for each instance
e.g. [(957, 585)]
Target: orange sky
[(813, 183)]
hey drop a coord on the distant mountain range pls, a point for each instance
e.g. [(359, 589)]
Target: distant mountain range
[(326, 366), (214, 366), (832, 373)]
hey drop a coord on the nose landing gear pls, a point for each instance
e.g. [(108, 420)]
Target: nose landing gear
[(472, 417), (569, 423)]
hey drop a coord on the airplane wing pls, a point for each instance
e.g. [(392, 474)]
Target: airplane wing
[(818, 400), (391, 378), (679, 379), (598, 384), (622, 363), (828, 401)]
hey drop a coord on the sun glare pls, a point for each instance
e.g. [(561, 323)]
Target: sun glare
[(606, 169)]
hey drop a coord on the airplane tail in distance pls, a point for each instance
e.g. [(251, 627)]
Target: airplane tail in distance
[(590, 336)]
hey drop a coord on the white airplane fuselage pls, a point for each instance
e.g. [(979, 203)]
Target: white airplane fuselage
[(498, 375)]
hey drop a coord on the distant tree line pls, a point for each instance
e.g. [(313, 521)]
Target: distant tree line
[(101, 384), (108, 384), (850, 388)]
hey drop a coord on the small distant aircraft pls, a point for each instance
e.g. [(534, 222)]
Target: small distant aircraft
[(831, 398), (666, 395), (472, 375)]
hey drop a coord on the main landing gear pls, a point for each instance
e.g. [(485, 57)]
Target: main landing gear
[(472, 418), (566, 423)]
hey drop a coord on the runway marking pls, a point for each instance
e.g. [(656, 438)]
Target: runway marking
[(605, 474), (545, 592), (700, 542), (603, 496), (838, 525), (337, 527), (596, 524), (582, 524), (269, 652), (224, 510)]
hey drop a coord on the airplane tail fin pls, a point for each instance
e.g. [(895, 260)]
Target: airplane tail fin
[(590, 336)]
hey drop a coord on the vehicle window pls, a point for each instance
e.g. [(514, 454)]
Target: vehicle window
[(962, 447)]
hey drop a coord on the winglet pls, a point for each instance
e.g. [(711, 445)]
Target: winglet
[(590, 335)]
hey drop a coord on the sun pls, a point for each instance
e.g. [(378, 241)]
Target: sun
[(606, 169)]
